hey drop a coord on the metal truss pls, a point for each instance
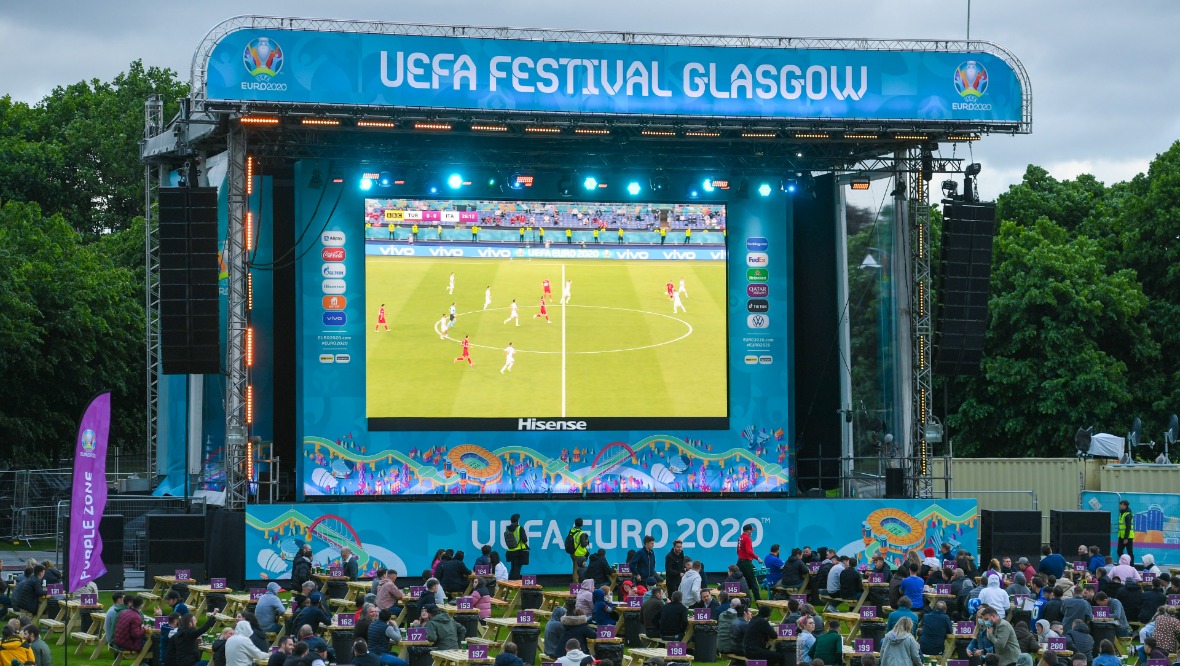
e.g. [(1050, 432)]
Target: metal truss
[(236, 261), (200, 63), (922, 330), (153, 124)]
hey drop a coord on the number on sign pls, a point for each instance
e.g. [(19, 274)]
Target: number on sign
[(964, 628), (88, 599), (1056, 644), (524, 617), (787, 630), (701, 614), (217, 583), (345, 620), (634, 602), (256, 593), (606, 632), (528, 580), (1079, 566), (732, 587), (575, 588), (477, 652), (416, 634), (868, 612), (183, 574), (863, 645), (876, 578), (464, 603), (677, 649)]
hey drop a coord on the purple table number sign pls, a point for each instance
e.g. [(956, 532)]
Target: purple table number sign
[(606, 632), (677, 649), (160, 622), (733, 587), (1174, 599), (256, 593), (464, 603), (1102, 612), (1157, 662), (483, 570), (876, 578), (575, 588), (964, 628), (183, 574), (416, 634), (55, 590), (345, 620), (1079, 567), (942, 589), (217, 584), (862, 646), (634, 602), (88, 600), (755, 662), (1056, 644), (868, 612), (788, 630), (1148, 576), (624, 569), (801, 598), (416, 591), (813, 567), (525, 617), (701, 614), (336, 571), (475, 652), (528, 580), (958, 662)]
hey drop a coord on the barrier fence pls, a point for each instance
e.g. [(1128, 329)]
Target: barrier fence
[(29, 497), (134, 509)]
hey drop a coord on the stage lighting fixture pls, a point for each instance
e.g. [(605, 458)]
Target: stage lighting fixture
[(764, 189), (659, 183), (366, 184), (590, 183), (693, 191), (633, 188), (455, 181), (860, 183), (791, 185), (973, 169), (950, 188), (565, 185), (385, 179), (520, 180), (707, 185)]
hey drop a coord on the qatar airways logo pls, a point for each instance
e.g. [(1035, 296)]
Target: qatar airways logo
[(537, 424)]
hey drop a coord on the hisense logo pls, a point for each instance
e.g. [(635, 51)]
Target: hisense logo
[(535, 424)]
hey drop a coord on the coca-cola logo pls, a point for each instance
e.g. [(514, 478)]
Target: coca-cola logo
[(332, 254)]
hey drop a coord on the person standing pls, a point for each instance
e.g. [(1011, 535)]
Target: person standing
[(687, 235), (451, 284), (674, 565), (596, 234), (516, 543), (381, 319), (1126, 530), (569, 236), (513, 313), (465, 355), (351, 563), (487, 297), (546, 290), (577, 544), (663, 235), (677, 304), (1002, 636), (747, 556), (565, 292), (543, 313), (620, 235), (442, 327), (509, 358)]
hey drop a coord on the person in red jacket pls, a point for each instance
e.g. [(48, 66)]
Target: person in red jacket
[(746, 557), (129, 632)]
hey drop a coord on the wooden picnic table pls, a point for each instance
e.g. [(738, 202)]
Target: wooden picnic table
[(73, 617), (326, 578), (403, 648), (236, 603), (551, 599), (850, 653), (198, 596), (850, 620), (643, 654), (692, 624), (779, 605), (510, 590), (163, 584), (456, 658), (494, 625), (593, 642), (357, 589)]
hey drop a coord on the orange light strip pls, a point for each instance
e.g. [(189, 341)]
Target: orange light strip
[(860, 136), (380, 124), (812, 135), (910, 137), (320, 122), (489, 128), (651, 132), (440, 127), (759, 135), (961, 137), (591, 130), (249, 404), (249, 459), (702, 134), (860, 184), (249, 346), (259, 120), (249, 175), (249, 231), (250, 291), (543, 130)]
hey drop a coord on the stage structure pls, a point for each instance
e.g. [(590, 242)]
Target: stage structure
[(681, 196)]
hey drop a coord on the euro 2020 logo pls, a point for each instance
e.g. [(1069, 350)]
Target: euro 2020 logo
[(263, 58), (971, 80), (88, 440)]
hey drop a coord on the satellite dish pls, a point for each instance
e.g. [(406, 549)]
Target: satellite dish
[(1136, 432), (1173, 431), (1081, 440)]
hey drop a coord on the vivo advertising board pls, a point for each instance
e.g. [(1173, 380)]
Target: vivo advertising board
[(410, 71)]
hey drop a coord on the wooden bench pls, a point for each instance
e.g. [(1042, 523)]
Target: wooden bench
[(652, 641), (84, 640), (476, 640), (342, 603), (50, 627), (499, 603), (734, 659)]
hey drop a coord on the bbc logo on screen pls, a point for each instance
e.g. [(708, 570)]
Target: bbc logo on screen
[(758, 321)]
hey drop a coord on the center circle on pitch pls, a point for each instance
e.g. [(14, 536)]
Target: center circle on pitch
[(679, 330)]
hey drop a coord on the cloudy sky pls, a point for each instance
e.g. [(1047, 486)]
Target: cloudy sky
[(1101, 71)]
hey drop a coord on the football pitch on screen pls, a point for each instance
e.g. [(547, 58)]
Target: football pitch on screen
[(616, 349)]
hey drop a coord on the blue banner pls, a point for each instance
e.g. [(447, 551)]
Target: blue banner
[(708, 528), (1157, 522), (714, 253), (405, 71)]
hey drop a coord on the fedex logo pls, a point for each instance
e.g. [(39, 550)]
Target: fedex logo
[(757, 259), (332, 254), (332, 238)]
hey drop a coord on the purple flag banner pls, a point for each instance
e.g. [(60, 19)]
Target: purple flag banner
[(89, 498)]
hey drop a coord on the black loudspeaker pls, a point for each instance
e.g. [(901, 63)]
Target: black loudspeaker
[(227, 560), (895, 486), (189, 322), (110, 529), (175, 541), (1014, 534), (1070, 529), (967, 232)]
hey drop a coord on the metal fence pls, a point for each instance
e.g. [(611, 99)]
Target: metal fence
[(29, 497), (134, 509)]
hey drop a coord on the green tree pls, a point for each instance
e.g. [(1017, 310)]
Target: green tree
[(73, 325), (1064, 329)]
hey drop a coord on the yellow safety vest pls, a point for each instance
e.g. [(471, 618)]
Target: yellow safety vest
[(1126, 525)]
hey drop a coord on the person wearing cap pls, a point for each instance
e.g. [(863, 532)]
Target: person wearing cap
[(1024, 565), (516, 540), (746, 557), (314, 615), (270, 608)]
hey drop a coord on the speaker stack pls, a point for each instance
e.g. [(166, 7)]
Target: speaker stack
[(967, 232), (1013, 534), (1070, 529), (110, 529), (175, 542), (189, 321)]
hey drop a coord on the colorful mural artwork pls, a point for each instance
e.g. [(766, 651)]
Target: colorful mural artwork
[(1157, 522)]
